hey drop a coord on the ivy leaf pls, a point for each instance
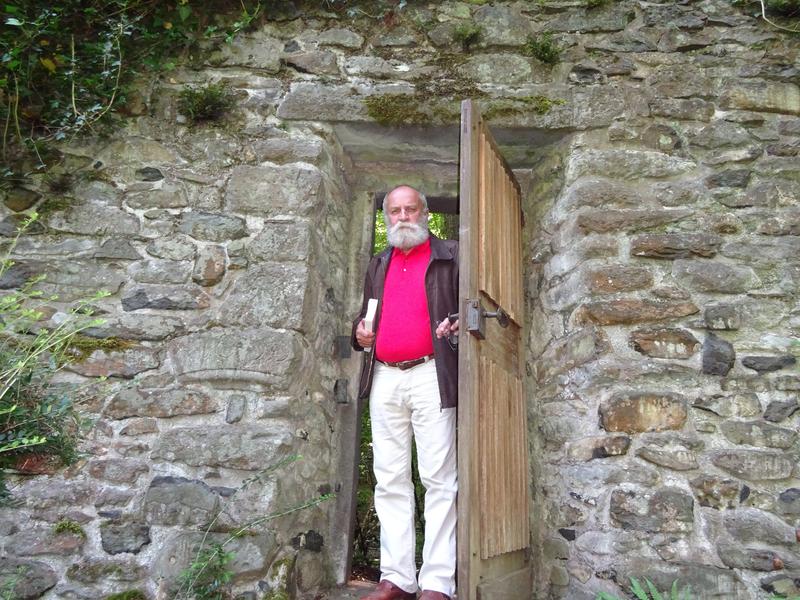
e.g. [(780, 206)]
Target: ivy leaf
[(184, 11), (48, 64)]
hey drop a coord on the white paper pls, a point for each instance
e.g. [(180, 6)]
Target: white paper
[(372, 309)]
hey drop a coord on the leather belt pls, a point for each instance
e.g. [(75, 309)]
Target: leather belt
[(407, 364)]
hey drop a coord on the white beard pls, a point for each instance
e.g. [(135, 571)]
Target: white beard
[(407, 235)]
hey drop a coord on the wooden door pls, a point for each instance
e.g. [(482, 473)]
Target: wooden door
[(493, 522)]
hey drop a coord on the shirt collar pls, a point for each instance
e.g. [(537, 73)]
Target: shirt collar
[(424, 248)]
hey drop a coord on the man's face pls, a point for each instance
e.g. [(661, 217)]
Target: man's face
[(403, 206), (406, 219)]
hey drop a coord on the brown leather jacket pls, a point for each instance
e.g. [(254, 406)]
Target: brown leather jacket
[(441, 288)]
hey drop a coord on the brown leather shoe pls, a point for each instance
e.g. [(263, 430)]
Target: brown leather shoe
[(429, 595), (386, 590)]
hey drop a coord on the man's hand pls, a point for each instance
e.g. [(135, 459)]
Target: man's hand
[(446, 328), (364, 337)]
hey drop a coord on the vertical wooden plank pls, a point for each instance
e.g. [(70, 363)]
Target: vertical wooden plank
[(516, 266), (482, 470), (512, 248), (506, 266), (519, 479), (505, 445), (481, 206), (497, 464), (489, 221), (491, 458), (468, 534), (523, 456), (493, 513), (518, 250), (498, 228), (498, 224), (524, 450), (511, 456)]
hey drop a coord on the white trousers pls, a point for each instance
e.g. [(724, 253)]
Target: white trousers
[(402, 402)]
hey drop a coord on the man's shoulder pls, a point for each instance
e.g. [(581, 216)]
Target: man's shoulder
[(377, 259), (444, 248)]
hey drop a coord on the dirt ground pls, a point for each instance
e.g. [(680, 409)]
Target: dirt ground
[(352, 591)]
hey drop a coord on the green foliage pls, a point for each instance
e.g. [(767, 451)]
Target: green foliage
[(543, 48), (128, 595), (208, 103), (66, 67), (69, 526), (786, 8), (651, 592), (209, 575), (379, 243), (467, 34), (36, 416), (8, 584)]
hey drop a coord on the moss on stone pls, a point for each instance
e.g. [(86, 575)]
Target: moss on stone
[(69, 526), (53, 204), (395, 109), (467, 34), (281, 570), (84, 345), (435, 101), (95, 571), (127, 595), (538, 104)]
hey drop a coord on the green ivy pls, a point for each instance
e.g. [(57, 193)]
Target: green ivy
[(67, 67)]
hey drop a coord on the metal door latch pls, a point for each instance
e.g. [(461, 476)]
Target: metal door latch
[(476, 318)]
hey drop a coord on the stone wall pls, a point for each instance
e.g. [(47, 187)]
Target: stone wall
[(660, 155), (226, 255)]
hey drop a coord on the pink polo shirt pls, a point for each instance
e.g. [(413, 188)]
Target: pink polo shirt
[(404, 331)]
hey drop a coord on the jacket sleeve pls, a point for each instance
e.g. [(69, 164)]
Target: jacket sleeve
[(367, 295)]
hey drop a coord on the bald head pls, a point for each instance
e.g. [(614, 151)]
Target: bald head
[(404, 191)]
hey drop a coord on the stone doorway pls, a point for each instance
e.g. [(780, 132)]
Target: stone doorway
[(380, 158)]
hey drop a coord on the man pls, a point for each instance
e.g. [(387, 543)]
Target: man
[(410, 373)]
